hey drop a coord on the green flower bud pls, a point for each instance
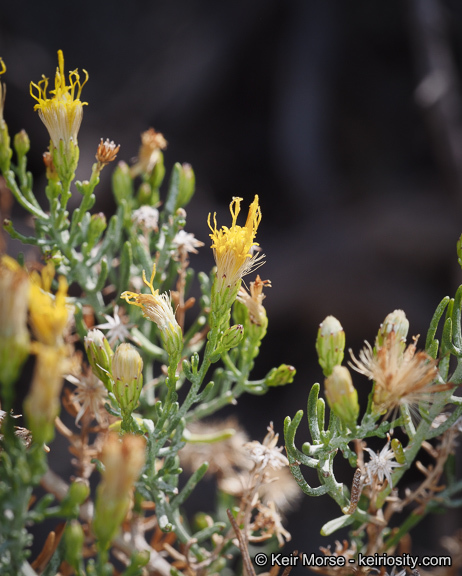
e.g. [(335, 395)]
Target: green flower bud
[(395, 322), (55, 256), (21, 143), (398, 451), (330, 344), (186, 185), (97, 226), (5, 150), (122, 183), (77, 494), (459, 251), (99, 355), (66, 159), (73, 542), (280, 376), (231, 337), (127, 367), (342, 396), (158, 173)]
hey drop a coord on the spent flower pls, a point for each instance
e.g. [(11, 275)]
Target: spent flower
[(147, 218), (117, 326), (152, 143), (381, 465), (401, 378), (186, 242), (253, 301), (90, 393), (106, 153), (267, 454)]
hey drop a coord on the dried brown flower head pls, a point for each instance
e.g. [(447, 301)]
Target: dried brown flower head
[(106, 153), (253, 301), (152, 143), (402, 378)]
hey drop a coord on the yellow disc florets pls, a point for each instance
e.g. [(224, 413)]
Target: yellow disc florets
[(232, 247), (62, 113)]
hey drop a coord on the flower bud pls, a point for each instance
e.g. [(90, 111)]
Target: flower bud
[(55, 256), (395, 322), (330, 344), (231, 338), (186, 185), (99, 355), (77, 494), (21, 143), (122, 183), (73, 542), (342, 396), (280, 376), (97, 226), (398, 451), (127, 367), (5, 150)]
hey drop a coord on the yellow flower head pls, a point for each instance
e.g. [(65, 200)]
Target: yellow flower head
[(158, 308), (14, 336), (14, 287), (61, 114), (232, 247), (48, 314), (42, 403)]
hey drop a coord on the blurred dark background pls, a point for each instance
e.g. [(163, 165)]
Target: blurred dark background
[(345, 118)]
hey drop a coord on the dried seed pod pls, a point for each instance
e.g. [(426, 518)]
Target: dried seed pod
[(356, 486)]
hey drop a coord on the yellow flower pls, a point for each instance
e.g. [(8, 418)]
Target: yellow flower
[(14, 336), (158, 308), (42, 403), (48, 314), (14, 287), (62, 113), (232, 247), (123, 462)]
